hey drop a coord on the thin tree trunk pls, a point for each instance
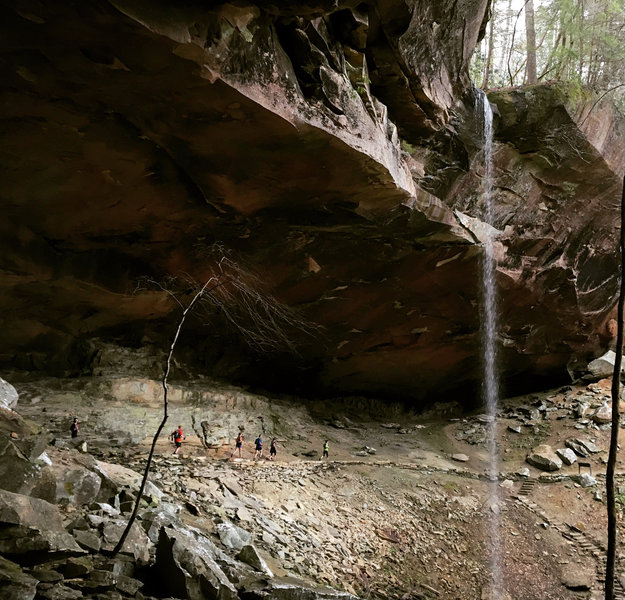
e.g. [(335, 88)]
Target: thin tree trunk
[(530, 36), (170, 354), (616, 416), (563, 41), (491, 44), (550, 66), (516, 20), (580, 66), (505, 37)]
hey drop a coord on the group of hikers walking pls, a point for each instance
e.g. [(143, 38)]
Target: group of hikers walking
[(177, 436), (258, 447)]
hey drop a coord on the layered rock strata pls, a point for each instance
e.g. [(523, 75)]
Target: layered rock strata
[(326, 146)]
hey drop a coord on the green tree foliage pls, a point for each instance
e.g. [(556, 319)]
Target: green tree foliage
[(580, 41)]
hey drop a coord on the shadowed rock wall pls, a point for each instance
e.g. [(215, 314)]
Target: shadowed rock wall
[(135, 135)]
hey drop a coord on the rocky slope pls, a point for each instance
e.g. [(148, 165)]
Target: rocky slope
[(332, 149), (402, 506)]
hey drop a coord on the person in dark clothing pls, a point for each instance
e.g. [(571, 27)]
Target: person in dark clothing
[(74, 427), (259, 447), (273, 448), (238, 445), (177, 436)]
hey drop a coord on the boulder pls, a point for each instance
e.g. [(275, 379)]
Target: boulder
[(77, 567), (590, 446), (87, 540), (581, 410), (187, 562), (117, 477), (31, 524), (153, 521), (128, 585), (137, 543), (543, 457), (567, 455), (59, 592), (15, 468), (604, 365), (587, 480), (250, 556), (8, 395), (232, 536), (76, 484), (578, 579), (45, 574), (583, 448), (603, 414), (577, 447), (14, 583)]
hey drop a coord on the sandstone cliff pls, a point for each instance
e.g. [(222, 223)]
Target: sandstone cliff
[(328, 146)]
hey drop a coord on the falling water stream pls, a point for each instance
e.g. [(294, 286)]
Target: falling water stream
[(490, 385)]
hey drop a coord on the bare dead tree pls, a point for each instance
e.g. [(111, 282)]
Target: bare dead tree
[(516, 20), (204, 289), (262, 321), (616, 417)]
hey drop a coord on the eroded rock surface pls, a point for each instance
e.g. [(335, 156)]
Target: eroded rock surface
[(330, 147)]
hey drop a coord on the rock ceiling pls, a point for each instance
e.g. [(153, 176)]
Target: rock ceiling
[(136, 135)]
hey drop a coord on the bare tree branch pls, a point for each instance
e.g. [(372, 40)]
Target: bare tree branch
[(616, 416), (260, 318), (170, 354)]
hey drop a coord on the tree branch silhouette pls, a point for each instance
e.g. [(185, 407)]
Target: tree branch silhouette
[(263, 322)]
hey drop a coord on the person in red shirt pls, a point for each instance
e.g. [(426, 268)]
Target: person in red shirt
[(238, 444), (177, 436)]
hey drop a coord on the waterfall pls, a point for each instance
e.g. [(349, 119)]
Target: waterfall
[(490, 385)]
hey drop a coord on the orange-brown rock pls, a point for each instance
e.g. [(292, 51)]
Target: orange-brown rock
[(135, 135)]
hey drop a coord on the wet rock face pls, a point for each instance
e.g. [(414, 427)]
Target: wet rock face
[(136, 135), (557, 183)]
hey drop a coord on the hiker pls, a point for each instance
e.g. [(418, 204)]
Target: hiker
[(238, 445), (177, 436), (325, 449), (273, 448), (73, 428), (259, 447)]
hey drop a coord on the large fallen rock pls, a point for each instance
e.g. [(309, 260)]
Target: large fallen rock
[(76, 484), (15, 468), (567, 455), (14, 583), (8, 395), (543, 457), (31, 524), (117, 477), (137, 543), (232, 536), (583, 448), (249, 555), (604, 365), (187, 562)]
